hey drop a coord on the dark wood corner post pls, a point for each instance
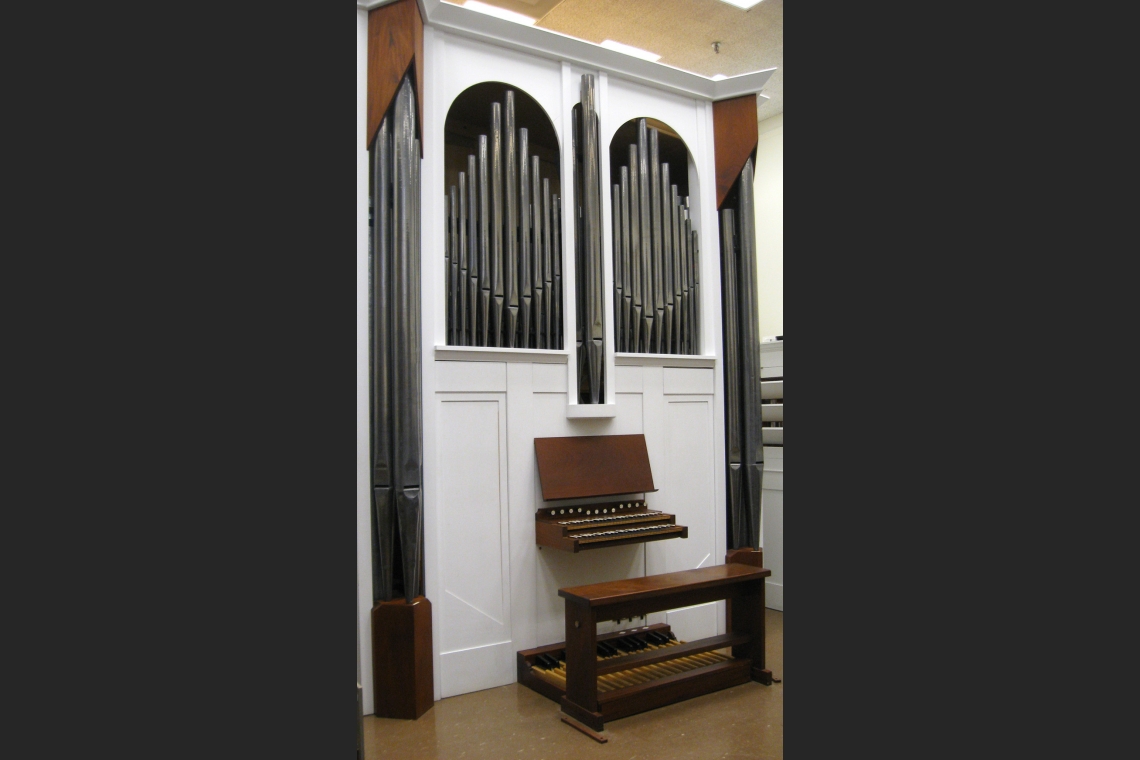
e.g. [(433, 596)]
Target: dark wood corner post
[(736, 133), (402, 648), (395, 45), (402, 658), (748, 614)]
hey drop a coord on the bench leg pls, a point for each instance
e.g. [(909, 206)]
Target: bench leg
[(581, 700)]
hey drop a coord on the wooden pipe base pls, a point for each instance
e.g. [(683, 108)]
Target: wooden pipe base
[(402, 658)]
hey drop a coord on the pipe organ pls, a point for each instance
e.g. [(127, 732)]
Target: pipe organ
[(486, 164)]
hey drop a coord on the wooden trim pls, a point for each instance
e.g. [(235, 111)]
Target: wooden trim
[(735, 136), (584, 729), (395, 48), (671, 586)]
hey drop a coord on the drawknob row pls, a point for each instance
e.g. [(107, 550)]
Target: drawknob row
[(603, 511)]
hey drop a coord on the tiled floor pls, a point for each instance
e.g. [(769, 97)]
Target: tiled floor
[(746, 721)]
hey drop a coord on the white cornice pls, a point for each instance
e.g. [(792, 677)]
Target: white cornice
[(560, 47)]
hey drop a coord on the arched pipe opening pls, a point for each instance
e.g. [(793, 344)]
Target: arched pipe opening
[(503, 243), (656, 247)]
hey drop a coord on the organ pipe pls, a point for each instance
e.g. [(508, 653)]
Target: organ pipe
[(506, 237)]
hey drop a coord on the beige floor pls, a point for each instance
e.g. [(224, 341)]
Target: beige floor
[(512, 721)]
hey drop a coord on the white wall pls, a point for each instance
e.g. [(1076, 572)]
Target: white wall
[(363, 500), (769, 195)]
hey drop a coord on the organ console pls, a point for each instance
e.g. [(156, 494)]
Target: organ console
[(599, 677), (592, 467)]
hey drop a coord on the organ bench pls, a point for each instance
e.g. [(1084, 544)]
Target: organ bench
[(667, 672)]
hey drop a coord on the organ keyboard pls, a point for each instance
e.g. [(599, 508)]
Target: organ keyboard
[(593, 526), (590, 467)]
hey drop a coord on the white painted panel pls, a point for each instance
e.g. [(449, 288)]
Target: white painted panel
[(767, 372), (628, 100), (689, 380), (691, 623), (549, 378), (773, 479), (772, 388), (558, 569), (465, 62), (773, 595), (629, 418), (478, 668), (475, 604), (687, 479), (772, 357), (627, 379), (471, 377), (522, 506), (772, 435), (772, 412)]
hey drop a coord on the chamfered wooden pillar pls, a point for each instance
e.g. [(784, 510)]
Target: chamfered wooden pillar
[(402, 658), (736, 132), (395, 47)]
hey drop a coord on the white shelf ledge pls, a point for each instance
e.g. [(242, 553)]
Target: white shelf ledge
[(587, 411), (493, 354), (663, 360)]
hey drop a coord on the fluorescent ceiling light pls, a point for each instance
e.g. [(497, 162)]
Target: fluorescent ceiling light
[(503, 13), (630, 50), (745, 4), (718, 77)]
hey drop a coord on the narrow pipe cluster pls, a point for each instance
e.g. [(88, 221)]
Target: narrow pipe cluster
[(397, 450), (588, 243), (744, 446), (656, 257), (503, 255)]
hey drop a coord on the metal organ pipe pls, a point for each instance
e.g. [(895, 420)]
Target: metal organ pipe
[(513, 249), (655, 252), (395, 331), (589, 243), (743, 413)]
